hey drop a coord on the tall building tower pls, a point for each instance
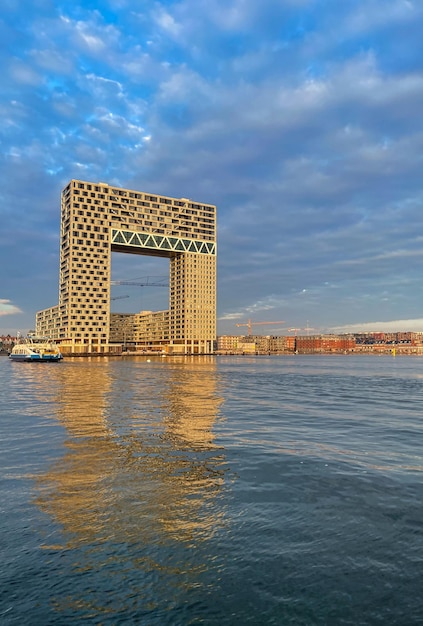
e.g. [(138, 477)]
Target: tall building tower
[(98, 219)]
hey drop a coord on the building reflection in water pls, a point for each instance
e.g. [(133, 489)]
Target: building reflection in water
[(141, 480)]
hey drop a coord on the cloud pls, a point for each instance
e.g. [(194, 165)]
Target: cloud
[(7, 308), (167, 22), (301, 121), (414, 325)]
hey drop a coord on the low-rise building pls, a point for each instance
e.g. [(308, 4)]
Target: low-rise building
[(152, 329), (122, 328)]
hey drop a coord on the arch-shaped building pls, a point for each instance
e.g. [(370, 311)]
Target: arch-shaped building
[(98, 219)]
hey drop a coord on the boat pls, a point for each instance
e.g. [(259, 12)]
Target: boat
[(35, 349)]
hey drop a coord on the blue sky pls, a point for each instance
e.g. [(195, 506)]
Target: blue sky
[(302, 120)]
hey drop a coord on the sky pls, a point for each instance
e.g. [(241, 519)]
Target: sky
[(302, 120)]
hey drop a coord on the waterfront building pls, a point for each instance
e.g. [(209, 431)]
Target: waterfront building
[(290, 343), (400, 343), (309, 344), (236, 344), (228, 343), (98, 219), (152, 330), (122, 328), (47, 322), (273, 344), (144, 331), (6, 343)]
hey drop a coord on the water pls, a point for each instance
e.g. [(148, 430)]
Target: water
[(250, 490)]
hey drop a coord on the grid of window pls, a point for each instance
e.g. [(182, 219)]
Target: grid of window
[(89, 213)]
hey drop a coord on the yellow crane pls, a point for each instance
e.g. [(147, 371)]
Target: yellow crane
[(250, 324)]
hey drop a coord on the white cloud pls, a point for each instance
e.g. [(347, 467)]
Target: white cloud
[(167, 22), (24, 73), (413, 325), (7, 308), (369, 16)]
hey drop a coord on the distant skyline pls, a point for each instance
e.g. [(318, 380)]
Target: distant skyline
[(300, 119)]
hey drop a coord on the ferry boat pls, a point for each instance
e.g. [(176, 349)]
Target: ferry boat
[(37, 349)]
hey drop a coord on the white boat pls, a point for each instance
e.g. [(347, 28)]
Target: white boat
[(37, 349)]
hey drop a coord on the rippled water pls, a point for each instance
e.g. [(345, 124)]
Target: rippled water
[(250, 490)]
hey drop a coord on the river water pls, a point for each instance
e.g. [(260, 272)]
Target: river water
[(212, 490)]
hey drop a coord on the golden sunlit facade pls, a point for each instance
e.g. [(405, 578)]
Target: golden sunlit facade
[(98, 219), (152, 328)]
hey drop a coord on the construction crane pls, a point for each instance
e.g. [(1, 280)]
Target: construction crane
[(119, 297), (294, 330), (250, 324), (158, 282), (307, 329)]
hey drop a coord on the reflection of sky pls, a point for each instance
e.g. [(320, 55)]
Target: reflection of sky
[(349, 411)]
